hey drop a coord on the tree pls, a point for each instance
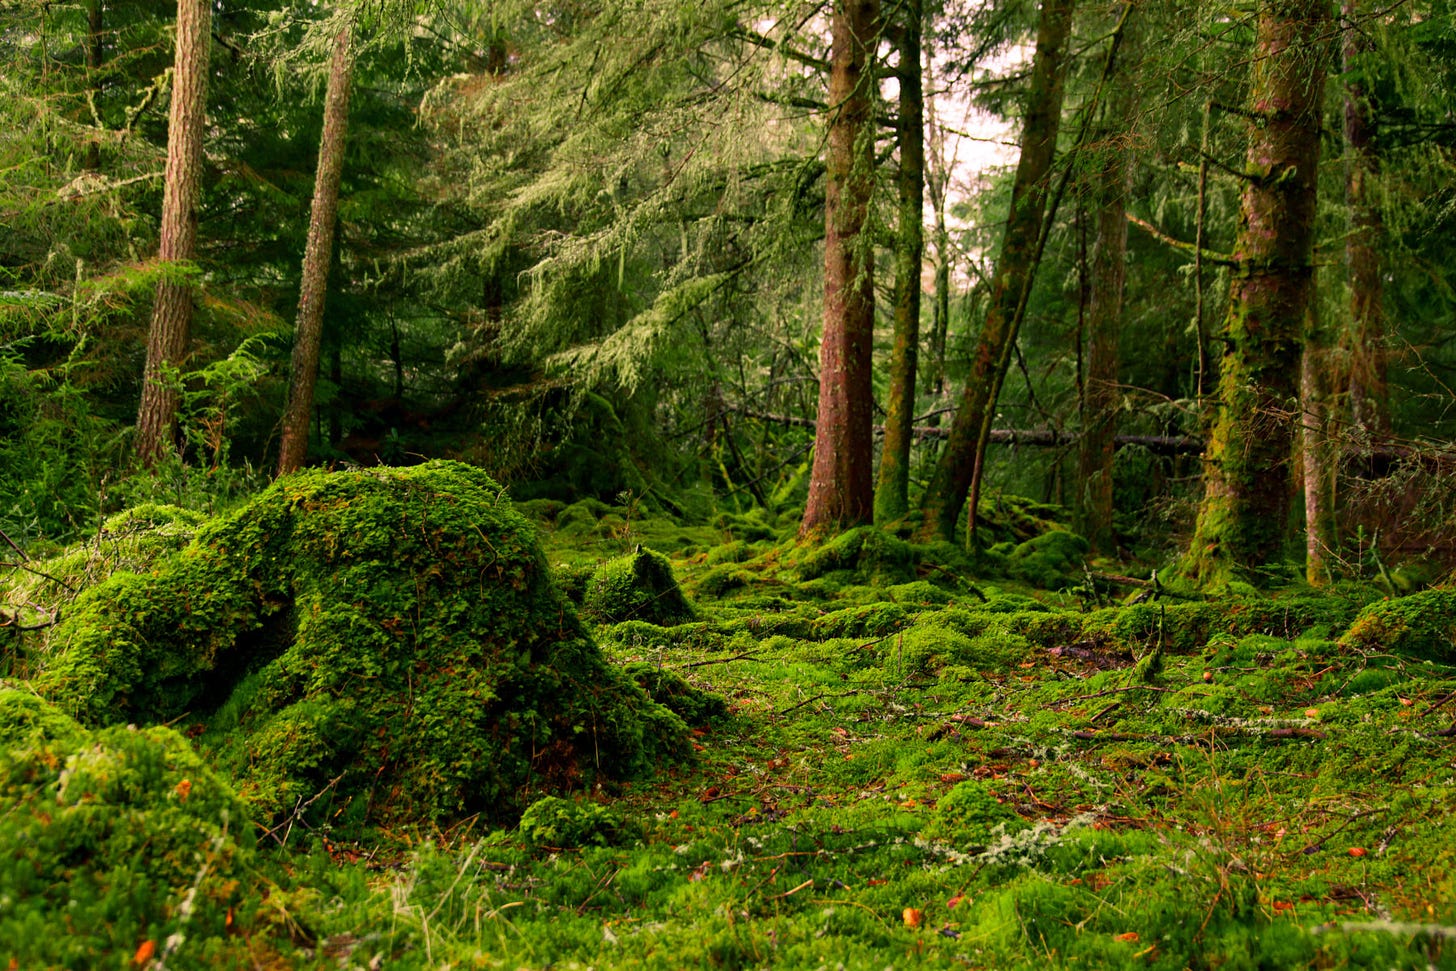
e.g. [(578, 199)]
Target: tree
[(841, 480), (172, 310), (892, 488), (303, 368), (1109, 188), (1365, 338), (945, 497), (1243, 519)]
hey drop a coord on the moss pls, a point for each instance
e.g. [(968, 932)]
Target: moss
[(922, 593), (111, 838), (669, 689), (722, 580), (876, 620), (972, 816), (541, 510), (638, 586), (1422, 625), (557, 823), (734, 552), (388, 641), (1050, 561), (867, 550)]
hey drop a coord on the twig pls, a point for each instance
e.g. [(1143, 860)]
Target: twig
[(1113, 691), (14, 547), (745, 656), (810, 701)]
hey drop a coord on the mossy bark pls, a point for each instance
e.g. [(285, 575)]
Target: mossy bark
[(892, 489), (945, 497), (1100, 395), (1243, 519), (1364, 340), (841, 481)]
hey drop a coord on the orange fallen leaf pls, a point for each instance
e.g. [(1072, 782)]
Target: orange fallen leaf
[(184, 789), (1311, 713), (1405, 701), (876, 882), (1358, 851), (1282, 905), (1128, 936), (144, 952), (952, 902), (913, 918)]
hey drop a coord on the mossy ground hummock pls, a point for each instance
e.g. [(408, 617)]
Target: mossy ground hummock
[(385, 642)]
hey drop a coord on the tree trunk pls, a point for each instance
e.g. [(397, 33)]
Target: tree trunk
[(303, 368), (1110, 184), (892, 490), (946, 495), (1365, 338), (841, 483), (172, 310), (1243, 519), (937, 182), (1315, 451)]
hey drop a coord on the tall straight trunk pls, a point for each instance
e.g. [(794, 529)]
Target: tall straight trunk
[(892, 490), (937, 182), (946, 495), (1110, 184), (841, 480), (1243, 518), (1365, 337), (308, 332), (1315, 453), (171, 324)]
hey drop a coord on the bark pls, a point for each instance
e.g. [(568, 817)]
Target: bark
[(1365, 351), (318, 253), (1104, 310), (171, 324), (946, 495), (937, 181), (1316, 453), (1244, 515), (892, 490), (841, 483)]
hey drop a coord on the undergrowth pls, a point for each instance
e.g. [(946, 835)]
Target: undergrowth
[(910, 757)]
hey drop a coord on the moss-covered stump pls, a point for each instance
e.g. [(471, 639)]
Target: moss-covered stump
[(111, 839), (385, 642), (1422, 625), (638, 586)]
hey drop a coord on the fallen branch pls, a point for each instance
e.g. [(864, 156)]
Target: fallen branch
[(745, 656)]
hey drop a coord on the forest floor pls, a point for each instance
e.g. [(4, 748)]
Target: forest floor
[(923, 769)]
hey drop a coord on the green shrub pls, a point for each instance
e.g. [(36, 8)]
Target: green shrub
[(558, 823)]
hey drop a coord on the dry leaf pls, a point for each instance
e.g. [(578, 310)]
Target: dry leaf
[(1129, 936), (913, 918)]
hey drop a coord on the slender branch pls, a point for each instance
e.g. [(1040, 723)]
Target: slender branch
[(1205, 255)]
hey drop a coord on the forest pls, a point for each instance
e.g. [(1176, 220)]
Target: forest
[(728, 484)]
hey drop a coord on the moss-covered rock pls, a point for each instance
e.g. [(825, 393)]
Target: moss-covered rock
[(693, 705), (112, 838), (387, 640), (1422, 625), (638, 586), (1050, 561)]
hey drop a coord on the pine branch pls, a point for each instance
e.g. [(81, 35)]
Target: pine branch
[(1207, 255)]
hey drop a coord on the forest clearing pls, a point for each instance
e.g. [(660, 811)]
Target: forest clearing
[(525, 485)]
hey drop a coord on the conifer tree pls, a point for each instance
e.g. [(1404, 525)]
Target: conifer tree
[(168, 336), (1243, 519), (841, 480), (945, 496), (892, 487), (303, 369)]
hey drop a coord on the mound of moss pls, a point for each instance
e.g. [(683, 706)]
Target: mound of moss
[(387, 643), (638, 586), (1422, 625), (110, 839)]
